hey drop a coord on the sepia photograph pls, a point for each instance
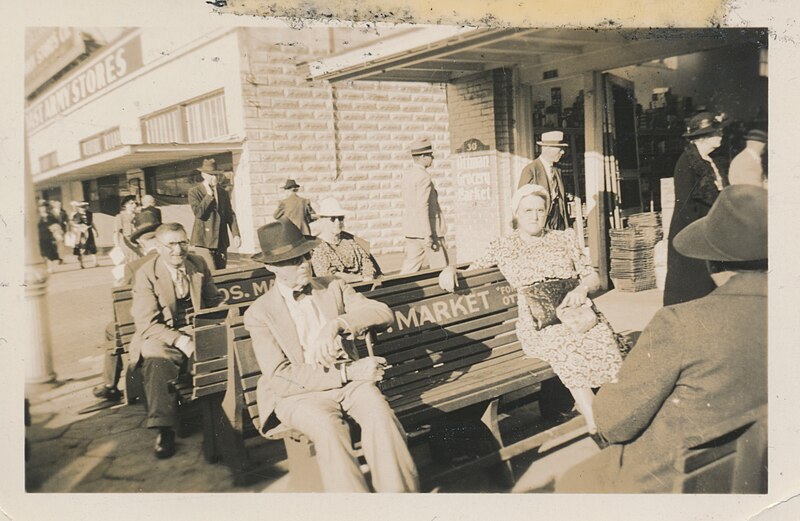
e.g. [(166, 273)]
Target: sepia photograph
[(502, 260)]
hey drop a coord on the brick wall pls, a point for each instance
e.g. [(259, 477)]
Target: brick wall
[(347, 140)]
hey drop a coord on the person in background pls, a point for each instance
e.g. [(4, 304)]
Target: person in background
[(48, 245), (308, 379), (85, 231), (213, 215), (59, 214), (338, 253), (295, 208), (698, 182), (543, 172), (423, 224), (696, 365), (143, 234), (746, 167), (149, 205), (166, 290), (123, 226)]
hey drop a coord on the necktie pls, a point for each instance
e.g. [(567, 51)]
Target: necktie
[(181, 283), (298, 293)]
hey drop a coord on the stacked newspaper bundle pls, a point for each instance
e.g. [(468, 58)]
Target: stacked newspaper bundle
[(632, 263)]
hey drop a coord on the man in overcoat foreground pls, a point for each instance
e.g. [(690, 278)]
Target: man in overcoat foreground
[(309, 381), (167, 289), (696, 365)]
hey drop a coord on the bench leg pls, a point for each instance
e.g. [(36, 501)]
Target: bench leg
[(209, 408), (304, 473), (490, 419), (230, 446)]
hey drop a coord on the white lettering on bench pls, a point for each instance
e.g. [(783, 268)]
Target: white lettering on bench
[(443, 310)]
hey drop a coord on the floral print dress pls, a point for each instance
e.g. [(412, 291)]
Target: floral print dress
[(580, 360)]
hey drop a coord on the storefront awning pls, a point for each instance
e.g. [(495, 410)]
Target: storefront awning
[(442, 54), (130, 157)]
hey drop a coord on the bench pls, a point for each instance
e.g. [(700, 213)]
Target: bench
[(446, 353)]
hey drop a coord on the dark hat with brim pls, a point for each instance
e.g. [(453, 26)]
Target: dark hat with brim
[(209, 166), (735, 229), (706, 123), (756, 135), (282, 240), (144, 222), (289, 184)]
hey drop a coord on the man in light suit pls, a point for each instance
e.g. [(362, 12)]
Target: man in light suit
[(166, 291), (295, 208), (309, 381), (213, 215), (696, 365), (423, 224), (543, 172)]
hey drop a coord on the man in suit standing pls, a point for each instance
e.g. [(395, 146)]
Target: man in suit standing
[(213, 215), (696, 365), (166, 291), (295, 208), (309, 381), (149, 205), (543, 172), (423, 224)]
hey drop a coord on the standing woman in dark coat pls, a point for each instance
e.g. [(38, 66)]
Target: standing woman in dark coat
[(698, 181), (83, 224)]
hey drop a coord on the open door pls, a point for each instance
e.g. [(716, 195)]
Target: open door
[(621, 150)]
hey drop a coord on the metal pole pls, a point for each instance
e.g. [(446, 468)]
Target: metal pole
[(39, 355)]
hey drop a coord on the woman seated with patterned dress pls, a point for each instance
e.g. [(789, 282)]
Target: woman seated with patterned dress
[(553, 276), (339, 254)]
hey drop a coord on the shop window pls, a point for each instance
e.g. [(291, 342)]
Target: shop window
[(48, 161), (101, 142), (198, 120), (171, 183)]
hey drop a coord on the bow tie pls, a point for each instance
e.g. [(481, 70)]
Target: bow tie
[(305, 290)]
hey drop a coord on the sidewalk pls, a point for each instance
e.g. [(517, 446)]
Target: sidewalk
[(110, 451)]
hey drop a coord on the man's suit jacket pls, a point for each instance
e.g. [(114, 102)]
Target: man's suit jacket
[(155, 211), (695, 365), (535, 173), (277, 346), (422, 216), (212, 218), (154, 302), (298, 210)]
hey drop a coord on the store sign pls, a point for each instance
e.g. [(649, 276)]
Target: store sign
[(92, 79), (474, 177), (55, 48)]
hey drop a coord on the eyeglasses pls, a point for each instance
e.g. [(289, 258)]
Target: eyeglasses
[(171, 245), (335, 218)]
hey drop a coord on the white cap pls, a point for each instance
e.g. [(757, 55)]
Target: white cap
[(330, 207)]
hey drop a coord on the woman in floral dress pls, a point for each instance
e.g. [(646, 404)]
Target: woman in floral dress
[(534, 254)]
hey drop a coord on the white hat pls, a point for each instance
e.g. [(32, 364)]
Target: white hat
[(554, 138), (525, 191), (329, 207)]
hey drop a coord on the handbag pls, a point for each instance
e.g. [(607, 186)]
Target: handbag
[(70, 239), (543, 298), (579, 319)]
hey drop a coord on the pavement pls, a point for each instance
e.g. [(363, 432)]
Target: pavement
[(110, 451)]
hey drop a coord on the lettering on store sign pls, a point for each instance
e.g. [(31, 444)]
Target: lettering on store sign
[(57, 47), (102, 73), (244, 291), (474, 178)]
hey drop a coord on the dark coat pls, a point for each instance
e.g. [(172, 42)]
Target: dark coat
[(695, 366), (534, 173), (695, 192), (155, 211), (298, 210), (212, 218)]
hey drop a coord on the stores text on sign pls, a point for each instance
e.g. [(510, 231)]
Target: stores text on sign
[(92, 79)]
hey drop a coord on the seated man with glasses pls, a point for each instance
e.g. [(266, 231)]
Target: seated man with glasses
[(339, 254), (166, 291)]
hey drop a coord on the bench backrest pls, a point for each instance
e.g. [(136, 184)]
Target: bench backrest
[(445, 350)]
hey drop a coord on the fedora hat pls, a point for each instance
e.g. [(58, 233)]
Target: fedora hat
[(706, 123), (735, 229), (289, 184), (756, 135), (554, 138), (282, 240), (330, 207), (144, 222), (209, 166), (421, 147)]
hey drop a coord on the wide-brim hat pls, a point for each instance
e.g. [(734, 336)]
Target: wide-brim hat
[(289, 184), (282, 240), (706, 123), (421, 147), (209, 166), (329, 207), (554, 138), (144, 222), (735, 229), (756, 135)]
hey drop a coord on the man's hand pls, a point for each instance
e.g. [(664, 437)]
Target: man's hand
[(369, 369), (434, 244), (448, 279), (326, 349), (237, 241)]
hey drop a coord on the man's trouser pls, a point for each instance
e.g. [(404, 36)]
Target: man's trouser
[(161, 364), (417, 250)]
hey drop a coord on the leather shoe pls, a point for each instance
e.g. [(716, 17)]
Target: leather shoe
[(112, 394), (165, 444), (599, 440)]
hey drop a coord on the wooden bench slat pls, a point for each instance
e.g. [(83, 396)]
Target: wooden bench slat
[(210, 342), (209, 366), (209, 389), (202, 380), (246, 358)]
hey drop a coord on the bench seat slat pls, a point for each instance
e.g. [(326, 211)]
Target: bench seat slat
[(207, 390), (210, 342), (420, 292), (209, 366), (202, 380)]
